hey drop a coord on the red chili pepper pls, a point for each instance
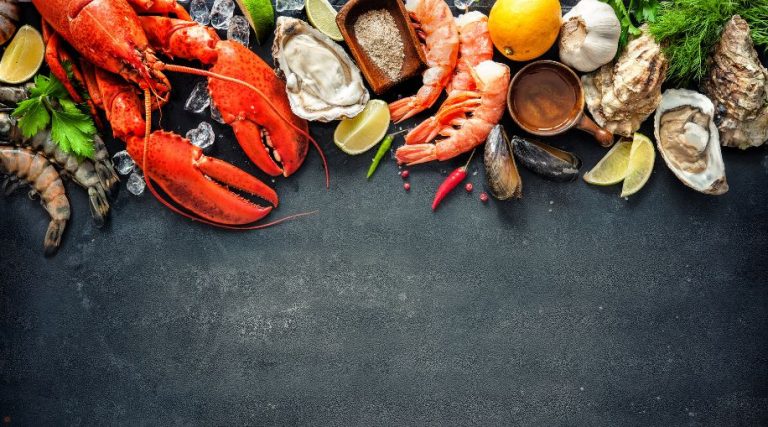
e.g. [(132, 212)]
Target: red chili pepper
[(451, 182)]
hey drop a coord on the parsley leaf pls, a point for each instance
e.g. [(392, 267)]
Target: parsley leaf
[(72, 129), (33, 117), (49, 104)]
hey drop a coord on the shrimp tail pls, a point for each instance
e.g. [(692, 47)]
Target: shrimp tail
[(415, 154), (53, 236), (99, 204), (426, 131), (403, 109)]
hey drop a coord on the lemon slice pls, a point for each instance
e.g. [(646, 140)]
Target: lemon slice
[(323, 17), (613, 167), (260, 15), (360, 134), (641, 160), (22, 57)]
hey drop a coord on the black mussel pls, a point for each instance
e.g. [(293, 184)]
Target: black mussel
[(545, 160), (500, 169)]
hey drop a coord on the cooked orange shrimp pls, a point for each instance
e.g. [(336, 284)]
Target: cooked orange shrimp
[(24, 166), (475, 46), (434, 22), (465, 119)]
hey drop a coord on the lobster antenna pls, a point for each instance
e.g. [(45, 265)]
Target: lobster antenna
[(206, 73), (145, 169)]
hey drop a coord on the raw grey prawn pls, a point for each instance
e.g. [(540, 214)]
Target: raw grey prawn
[(465, 118), (23, 166), (97, 177)]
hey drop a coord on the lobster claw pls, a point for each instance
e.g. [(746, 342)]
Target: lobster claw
[(265, 127), (192, 180)]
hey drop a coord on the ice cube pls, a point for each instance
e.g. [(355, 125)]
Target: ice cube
[(123, 162), (463, 4), (283, 5), (136, 184), (239, 30), (221, 13), (201, 136), (199, 99), (199, 11), (216, 114)]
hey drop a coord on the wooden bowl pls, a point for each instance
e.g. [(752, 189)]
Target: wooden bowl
[(414, 62)]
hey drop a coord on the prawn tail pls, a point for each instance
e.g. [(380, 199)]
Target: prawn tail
[(53, 236), (415, 154), (403, 109)]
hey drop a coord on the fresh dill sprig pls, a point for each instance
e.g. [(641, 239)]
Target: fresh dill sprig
[(689, 29)]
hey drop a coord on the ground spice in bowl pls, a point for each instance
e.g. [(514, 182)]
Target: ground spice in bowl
[(378, 36)]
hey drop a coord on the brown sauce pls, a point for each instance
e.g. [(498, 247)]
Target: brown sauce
[(545, 99)]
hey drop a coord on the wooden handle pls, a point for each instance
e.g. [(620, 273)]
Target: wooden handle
[(602, 136)]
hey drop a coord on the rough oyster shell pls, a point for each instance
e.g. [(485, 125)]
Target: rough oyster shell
[(322, 82), (738, 85), (689, 141), (623, 93)]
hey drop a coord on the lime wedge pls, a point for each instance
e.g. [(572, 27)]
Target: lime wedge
[(360, 134), (612, 168), (323, 17), (22, 57), (260, 15), (641, 160)]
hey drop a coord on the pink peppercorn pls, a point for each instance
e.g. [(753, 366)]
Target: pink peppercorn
[(405, 174), (484, 197), (469, 187), (407, 186)]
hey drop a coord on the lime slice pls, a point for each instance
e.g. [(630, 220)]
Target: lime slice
[(612, 168), (360, 134), (260, 15), (323, 17), (22, 57), (641, 160)]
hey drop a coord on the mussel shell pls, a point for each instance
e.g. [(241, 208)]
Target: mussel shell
[(545, 160), (501, 172)]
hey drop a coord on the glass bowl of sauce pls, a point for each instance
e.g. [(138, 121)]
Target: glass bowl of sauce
[(546, 98)]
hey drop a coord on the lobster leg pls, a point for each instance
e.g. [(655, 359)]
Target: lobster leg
[(56, 56), (161, 7)]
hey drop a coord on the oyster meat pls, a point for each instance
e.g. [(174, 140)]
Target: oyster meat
[(689, 141), (623, 93), (322, 82), (738, 85)]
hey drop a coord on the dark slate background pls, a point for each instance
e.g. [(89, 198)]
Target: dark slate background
[(570, 307)]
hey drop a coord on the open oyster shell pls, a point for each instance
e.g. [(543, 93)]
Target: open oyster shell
[(689, 141), (623, 93), (322, 82), (738, 85)]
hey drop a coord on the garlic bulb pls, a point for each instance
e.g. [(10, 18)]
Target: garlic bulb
[(589, 37)]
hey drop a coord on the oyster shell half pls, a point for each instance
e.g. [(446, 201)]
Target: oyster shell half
[(623, 93), (738, 85), (689, 141), (322, 82)]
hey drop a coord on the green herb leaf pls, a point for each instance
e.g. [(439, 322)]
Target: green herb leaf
[(33, 117), (689, 29), (73, 129), (49, 104)]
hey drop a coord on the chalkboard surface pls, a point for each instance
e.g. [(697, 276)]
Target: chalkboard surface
[(570, 307)]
